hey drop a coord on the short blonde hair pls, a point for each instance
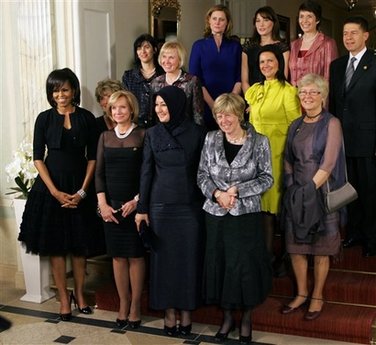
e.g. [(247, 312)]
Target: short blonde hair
[(226, 11), (111, 85), (229, 103), (131, 100), (182, 53), (321, 83)]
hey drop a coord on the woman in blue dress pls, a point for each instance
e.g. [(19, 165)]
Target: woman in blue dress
[(216, 60)]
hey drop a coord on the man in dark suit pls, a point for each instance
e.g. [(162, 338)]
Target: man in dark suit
[(352, 98)]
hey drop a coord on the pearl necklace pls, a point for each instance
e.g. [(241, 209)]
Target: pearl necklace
[(237, 141), (126, 133), (169, 82), (147, 75), (308, 40)]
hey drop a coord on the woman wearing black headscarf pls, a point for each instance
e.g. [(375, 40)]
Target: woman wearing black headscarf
[(172, 203)]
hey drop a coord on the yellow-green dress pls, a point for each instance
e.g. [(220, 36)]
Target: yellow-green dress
[(273, 106)]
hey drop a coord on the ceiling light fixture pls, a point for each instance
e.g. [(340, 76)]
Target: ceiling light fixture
[(351, 4)]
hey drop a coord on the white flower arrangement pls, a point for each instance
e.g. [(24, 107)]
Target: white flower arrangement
[(22, 170)]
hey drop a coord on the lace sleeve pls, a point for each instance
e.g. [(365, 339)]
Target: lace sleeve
[(100, 178), (333, 145)]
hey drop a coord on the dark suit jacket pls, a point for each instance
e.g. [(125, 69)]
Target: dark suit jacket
[(356, 107), (170, 164)]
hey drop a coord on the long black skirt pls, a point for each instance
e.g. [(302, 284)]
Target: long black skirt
[(177, 256), (237, 270)]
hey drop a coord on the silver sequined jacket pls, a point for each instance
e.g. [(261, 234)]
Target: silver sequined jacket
[(250, 172)]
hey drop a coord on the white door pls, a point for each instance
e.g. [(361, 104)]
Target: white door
[(94, 42)]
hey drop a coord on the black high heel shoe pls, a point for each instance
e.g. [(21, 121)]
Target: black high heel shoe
[(66, 317), (223, 336), (170, 331), (85, 310), (121, 323), (134, 324), (185, 330), (245, 339)]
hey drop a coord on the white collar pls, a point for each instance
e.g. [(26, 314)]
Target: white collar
[(357, 56)]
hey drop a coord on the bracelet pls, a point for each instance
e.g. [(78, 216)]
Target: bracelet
[(136, 198), (82, 193), (217, 193)]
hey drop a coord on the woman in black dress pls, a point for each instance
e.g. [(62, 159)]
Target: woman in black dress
[(266, 31), (171, 200), (117, 174), (59, 217)]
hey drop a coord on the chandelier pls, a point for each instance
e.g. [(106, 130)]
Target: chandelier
[(351, 4)]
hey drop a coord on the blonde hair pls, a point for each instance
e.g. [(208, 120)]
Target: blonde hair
[(321, 83), (131, 100), (226, 11), (229, 103), (111, 85), (182, 53)]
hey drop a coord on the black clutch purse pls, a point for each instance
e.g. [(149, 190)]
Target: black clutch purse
[(147, 236)]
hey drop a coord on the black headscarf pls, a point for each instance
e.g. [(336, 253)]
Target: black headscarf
[(175, 100)]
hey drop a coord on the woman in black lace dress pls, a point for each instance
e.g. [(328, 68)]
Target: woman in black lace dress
[(59, 217), (117, 180)]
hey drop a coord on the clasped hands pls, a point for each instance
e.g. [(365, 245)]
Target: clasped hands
[(227, 199), (108, 213), (67, 200)]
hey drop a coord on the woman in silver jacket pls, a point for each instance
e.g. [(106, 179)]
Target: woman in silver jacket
[(235, 169)]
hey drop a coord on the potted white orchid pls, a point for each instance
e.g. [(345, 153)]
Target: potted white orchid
[(22, 170), (35, 268)]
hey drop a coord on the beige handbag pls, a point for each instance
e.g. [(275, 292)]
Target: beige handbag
[(340, 197)]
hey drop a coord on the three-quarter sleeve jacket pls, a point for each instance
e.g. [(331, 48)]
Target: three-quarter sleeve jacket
[(48, 132), (250, 172)]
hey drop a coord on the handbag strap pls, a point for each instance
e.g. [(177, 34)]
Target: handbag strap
[(343, 148)]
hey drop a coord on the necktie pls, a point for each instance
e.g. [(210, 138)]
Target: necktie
[(350, 71)]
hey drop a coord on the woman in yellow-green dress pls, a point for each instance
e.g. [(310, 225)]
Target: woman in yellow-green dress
[(274, 104)]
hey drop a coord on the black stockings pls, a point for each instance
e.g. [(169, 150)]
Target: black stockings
[(269, 225), (246, 324), (228, 321)]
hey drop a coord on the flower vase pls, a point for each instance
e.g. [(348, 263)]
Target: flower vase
[(36, 268)]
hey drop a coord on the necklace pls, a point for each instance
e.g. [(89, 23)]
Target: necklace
[(126, 133), (169, 81), (313, 117), (237, 141), (308, 40), (147, 75)]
